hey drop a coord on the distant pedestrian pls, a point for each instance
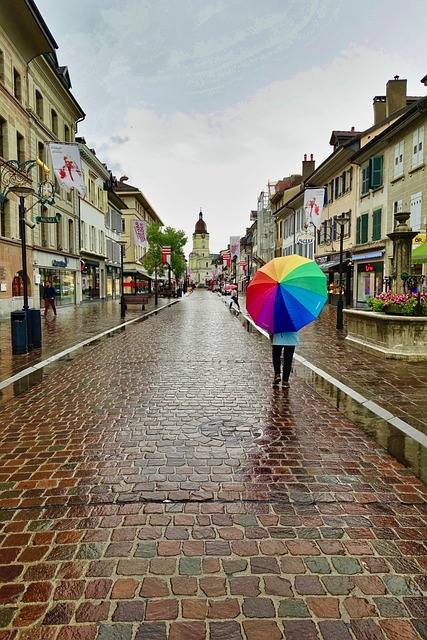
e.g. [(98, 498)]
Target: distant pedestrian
[(285, 342), (49, 296), (235, 299)]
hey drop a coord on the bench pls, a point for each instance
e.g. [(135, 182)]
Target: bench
[(136, 298), (167, 293)]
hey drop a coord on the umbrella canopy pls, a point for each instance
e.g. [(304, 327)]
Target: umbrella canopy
[(230, 287), (286, 294)]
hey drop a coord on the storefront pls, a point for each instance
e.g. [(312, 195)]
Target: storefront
[(369, 269), (112, 281), (331, 269), (136, 282), (62, 275), (90, 279)]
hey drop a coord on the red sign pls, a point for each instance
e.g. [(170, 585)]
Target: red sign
[(369, 267)]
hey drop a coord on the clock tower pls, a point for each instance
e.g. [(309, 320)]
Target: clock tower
[(200, 258)]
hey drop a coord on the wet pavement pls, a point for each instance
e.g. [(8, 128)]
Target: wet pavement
[(156, 487)]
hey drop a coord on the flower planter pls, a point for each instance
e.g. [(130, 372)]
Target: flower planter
[(390, 336), (394, 310)]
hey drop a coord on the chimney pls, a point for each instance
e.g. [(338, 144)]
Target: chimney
[(308, 166), (379, 109), (396, 95)]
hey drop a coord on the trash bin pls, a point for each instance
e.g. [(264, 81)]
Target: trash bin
[(34, 327), (19, 332)]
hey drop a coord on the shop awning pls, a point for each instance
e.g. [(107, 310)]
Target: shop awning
[(419, 254), (139, 273), (333, 263)]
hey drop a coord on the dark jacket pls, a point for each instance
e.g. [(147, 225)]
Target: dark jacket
[(49, 292)]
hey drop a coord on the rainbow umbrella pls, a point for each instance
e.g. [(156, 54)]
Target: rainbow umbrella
[(286, 294)]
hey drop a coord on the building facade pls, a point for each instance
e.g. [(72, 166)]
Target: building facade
[(36, 106)]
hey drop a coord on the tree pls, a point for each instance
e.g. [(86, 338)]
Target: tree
[(159, 237)]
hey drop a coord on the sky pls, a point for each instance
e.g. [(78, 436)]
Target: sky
[(203, 104)]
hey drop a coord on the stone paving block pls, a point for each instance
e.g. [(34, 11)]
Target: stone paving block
[(333, 528)]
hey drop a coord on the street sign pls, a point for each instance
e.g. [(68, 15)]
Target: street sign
[(49, 219)]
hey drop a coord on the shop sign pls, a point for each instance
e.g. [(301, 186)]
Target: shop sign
[(60, 263)]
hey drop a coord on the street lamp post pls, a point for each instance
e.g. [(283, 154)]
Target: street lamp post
[(156, 293), (342, 220), (122, 293), (23, 192)]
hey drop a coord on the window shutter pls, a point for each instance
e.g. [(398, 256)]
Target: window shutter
[(351, 178), (398, 159), (337, 187), (376, 224), (325, 196), (358, 230), (343, 185), (376, 163), (364, 229), (416, 205)]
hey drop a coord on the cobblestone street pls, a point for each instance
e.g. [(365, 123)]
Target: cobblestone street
[(156, 487)]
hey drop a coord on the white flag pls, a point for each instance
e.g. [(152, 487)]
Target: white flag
[(140, 233), (67, 166), (313, 205), (235, 247)]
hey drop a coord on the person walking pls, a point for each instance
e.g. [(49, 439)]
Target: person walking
[(235, 299), (285, 342), (49, 296)]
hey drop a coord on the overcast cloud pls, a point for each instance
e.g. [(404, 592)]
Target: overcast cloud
[(201, 104)]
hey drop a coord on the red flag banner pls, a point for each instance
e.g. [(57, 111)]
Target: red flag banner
[(166, 255), (243, 264), (226, 259)]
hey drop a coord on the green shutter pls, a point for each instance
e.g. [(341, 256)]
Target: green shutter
[(376, 225), (364, 228), (358, 231), (376, 163)]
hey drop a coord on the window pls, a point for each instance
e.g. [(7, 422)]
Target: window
[(365, 180), (59, 239), (17, 88), (3, 152), (20, 147), (1, 66), (337, 187), (71, 236), (331, 191), (343, 182), (66, 133), (418, 147), (372, 174), (6, 222), (350, 175), (123, 225), (397, 206), (376, 224), (39, 105), (362, 229), (54, 117), (416, 204), (44, 228), (41, 155), (398, 159)]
